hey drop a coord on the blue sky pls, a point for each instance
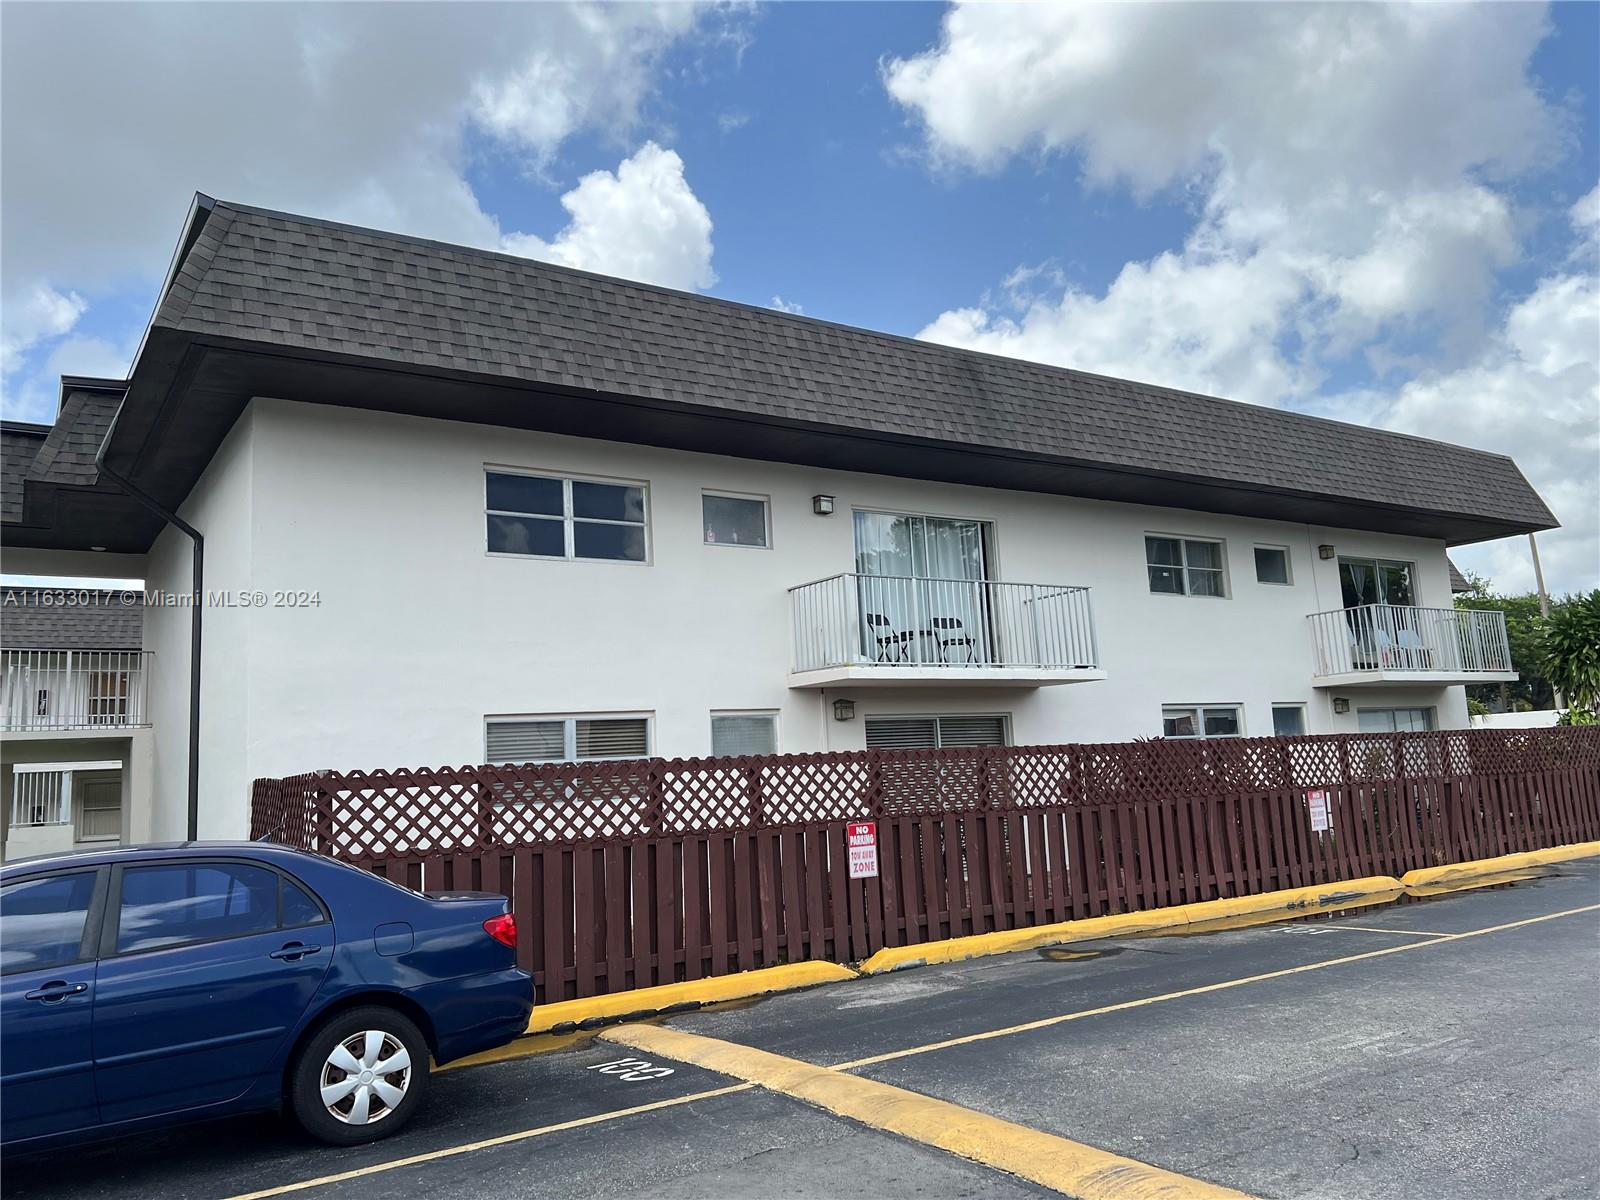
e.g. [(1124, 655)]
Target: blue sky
[(1377, 213)]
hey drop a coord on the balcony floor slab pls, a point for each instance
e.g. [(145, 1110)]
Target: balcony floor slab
[(914, 675), (1383, 678)]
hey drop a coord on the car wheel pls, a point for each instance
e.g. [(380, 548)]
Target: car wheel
[(359, 1077)]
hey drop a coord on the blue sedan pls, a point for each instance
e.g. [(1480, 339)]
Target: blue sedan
[(152, 985)]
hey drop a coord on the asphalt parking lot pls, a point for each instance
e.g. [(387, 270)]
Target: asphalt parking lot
[(1449, 1047)]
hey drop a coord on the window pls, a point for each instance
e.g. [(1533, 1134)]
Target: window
[(567, 739), (178, 904), (1375, 581), (734, 734), (1272, 564), (1288, 720), (43, 921), (299, 908), (1394, 720), (1201, 722), (548, 517), (734, 520), (909, 733), (1184, 566)]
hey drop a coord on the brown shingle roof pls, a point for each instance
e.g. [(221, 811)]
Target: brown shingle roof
[(305, 284)]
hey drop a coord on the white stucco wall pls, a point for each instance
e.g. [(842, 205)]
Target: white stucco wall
[(419, 633), (221, 507)]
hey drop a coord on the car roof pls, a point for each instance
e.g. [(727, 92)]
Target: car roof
[(95, 856)]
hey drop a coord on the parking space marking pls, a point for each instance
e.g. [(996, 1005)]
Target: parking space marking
[(1069, 1167), (1225, 985), (504, 1139), (1334, 925)]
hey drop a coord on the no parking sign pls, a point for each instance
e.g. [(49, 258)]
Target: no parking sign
[(861, 847)]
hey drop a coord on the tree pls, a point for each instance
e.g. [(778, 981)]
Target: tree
[(1525, 635), (1571, 659)]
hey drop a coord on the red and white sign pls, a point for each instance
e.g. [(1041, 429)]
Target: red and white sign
[(861, 842), (1321, 810)]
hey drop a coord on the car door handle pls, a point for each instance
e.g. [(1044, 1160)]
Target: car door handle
[(294, 951), (57, 989)]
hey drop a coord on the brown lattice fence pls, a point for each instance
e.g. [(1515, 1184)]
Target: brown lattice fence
[(627, 874)]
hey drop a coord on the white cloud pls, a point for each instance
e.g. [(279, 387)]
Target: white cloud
[(1533, 394), (1349, 168), (356, 112), (643, 222), (37, 314), (782, 305), (551, 92)]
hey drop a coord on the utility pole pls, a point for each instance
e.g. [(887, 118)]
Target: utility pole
[(1544, 603)]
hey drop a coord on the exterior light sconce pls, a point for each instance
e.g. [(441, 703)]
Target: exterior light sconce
[(1326, 551), (844, 710), (823, 507), (1341, 705)]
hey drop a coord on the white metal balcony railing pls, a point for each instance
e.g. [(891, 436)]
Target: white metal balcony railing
[(898, 621), (1393, 637), (73, 689)]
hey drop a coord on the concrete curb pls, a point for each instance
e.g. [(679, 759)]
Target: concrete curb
[(1068, 1167), (592, 1011), (1459, 873), (1290, 901)]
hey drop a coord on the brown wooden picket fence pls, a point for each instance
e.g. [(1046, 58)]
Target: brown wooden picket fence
[(632, 873)]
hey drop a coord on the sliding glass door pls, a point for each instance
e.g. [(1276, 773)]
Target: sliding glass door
[(1375, 581), (921, 589), (1382, 637)]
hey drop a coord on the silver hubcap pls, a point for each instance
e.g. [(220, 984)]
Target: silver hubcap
[(365, 1077)]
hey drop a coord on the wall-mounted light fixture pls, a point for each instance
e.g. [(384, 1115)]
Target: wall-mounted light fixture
[(823, 507), (1326, 551), (1341, 705), (844, 710)]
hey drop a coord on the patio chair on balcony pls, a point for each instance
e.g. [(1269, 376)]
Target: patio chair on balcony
[(950, 633), (893, 644)]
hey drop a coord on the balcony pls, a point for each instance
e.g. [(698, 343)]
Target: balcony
[(54, 690), (893, 630), (1392, 643)]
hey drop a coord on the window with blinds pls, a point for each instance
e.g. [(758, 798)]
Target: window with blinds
[(735, 734), (565, 739), (911, 733)]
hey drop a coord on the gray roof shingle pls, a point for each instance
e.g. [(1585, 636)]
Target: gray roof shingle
[(294, 282), (70, 619), (20, 444)]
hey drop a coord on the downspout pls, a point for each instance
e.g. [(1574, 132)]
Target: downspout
[(195, 611)]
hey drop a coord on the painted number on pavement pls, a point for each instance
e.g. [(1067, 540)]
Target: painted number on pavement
[(632, 1069)]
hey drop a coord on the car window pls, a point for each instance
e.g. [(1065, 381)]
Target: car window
[(177, 903), (41, 921), (298, 907)]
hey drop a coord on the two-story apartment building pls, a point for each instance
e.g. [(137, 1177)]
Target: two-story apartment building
[(461, 507)]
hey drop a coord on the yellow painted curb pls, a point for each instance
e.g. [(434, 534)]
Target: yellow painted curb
[(1462, 872), (1069, 1167), (643, 1001), (1289, 901)]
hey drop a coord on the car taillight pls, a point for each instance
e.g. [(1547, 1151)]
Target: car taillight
[(502, 929)]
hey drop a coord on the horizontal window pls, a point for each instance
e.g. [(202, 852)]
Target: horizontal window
[(567, 739), (909, 733), (547, 516), (1394, 720), (734, 520), (1201, 721), (1288, 720), (735, 734), (1272, 564), (1184, 566)]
